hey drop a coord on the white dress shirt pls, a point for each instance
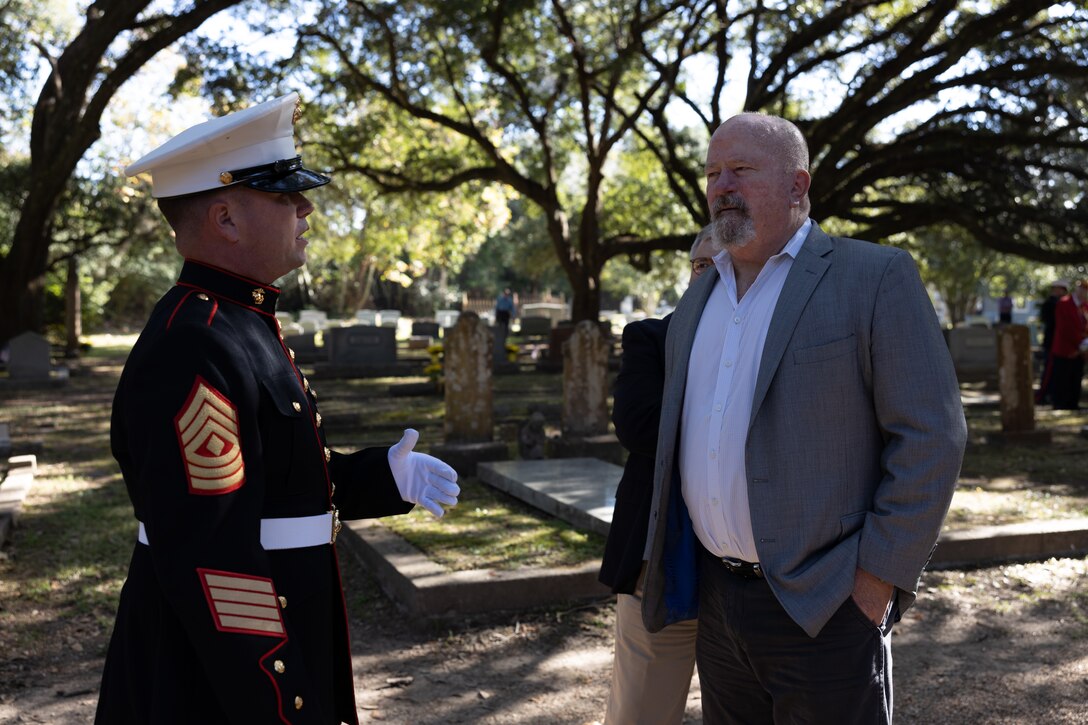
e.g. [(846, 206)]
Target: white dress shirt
[(725, 356)]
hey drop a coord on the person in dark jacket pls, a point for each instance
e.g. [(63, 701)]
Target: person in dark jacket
[(651, 672), (233, 610), (1058, 289)]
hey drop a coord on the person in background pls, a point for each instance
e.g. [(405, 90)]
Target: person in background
[(233, 610), (1058, 289), (651, 672), (1004, 308), (810, 440), (1067, 353), (505, 310)]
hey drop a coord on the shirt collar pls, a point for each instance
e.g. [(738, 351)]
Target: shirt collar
[(793, 246), (230, 286)]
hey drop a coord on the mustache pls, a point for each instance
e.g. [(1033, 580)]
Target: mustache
[(730, 201)]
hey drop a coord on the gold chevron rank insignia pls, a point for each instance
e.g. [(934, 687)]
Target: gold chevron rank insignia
[(207, 428), (242, 603)]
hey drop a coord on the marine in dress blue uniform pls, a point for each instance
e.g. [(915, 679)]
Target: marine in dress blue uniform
[(233, 609)]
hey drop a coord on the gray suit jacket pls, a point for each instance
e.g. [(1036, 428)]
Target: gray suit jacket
[(856, 436)]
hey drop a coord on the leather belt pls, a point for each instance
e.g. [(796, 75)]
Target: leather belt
[(743, 569), (297, 532)]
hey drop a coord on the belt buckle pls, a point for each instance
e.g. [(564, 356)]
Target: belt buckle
[(336, 525)]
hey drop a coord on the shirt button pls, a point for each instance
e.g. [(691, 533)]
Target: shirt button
[(717, 408), (713, 502), (728, 363), (713, 453), (736, 320)]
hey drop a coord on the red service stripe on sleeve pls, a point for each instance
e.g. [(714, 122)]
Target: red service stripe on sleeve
[(242, 603)]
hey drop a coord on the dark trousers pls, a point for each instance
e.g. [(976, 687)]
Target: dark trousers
[(1066, 380), (756, 665)]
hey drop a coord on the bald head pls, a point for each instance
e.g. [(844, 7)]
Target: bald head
[(777, 135)]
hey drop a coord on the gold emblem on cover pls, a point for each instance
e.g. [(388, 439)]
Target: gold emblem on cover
[(258, 296)]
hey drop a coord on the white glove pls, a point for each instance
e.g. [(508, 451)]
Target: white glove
[(420, 478)]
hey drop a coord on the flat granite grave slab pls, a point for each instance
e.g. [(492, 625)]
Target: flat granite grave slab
[(425, 588), (14, 487), (580, 491)]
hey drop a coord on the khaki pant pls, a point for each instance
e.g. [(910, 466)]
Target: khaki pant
[(651, 673)]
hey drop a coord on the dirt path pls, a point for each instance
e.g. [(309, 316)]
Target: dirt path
[(999, 645)]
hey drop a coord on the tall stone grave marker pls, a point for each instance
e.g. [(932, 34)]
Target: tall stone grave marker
[(585, 381), (468, 381), (1014, 379)]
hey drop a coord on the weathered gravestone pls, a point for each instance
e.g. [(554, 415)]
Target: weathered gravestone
[(1015, 383), (29, 357), (469, 426), (585, 381), (359, 345), (468, 381), (974, 353)]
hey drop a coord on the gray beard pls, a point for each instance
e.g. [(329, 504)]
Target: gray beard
[(731, 232)]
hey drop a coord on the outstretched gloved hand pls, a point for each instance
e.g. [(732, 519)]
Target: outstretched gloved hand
[(422, 479)]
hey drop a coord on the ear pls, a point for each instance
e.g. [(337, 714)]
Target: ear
[(221, 218), (799, 187)]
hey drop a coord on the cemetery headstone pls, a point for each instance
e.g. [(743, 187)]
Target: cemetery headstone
[(468, 381), (585, 381), (361, 345), (1015, 384), (388, 318), (29, 357), (313, 320), (974, 353), (536, 326), (367, 317), (425, 328), (446, 318)]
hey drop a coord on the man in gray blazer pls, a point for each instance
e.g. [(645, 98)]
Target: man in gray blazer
[(810, 440)]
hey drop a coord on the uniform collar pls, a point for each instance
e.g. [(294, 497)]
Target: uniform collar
[(230, 286)]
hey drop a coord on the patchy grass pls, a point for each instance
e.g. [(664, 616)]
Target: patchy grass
[(491, 530)]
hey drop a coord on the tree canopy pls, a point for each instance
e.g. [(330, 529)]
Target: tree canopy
[(593, 119)]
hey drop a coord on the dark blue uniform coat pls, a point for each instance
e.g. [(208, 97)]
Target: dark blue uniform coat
[(215, 428)]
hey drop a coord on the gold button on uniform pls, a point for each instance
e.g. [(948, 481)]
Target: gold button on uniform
[(202, 296), (305, 384), (297, 406), (328, 454), (317, 417), (279, 666), (291, 353), (298, 703), (283, 602)]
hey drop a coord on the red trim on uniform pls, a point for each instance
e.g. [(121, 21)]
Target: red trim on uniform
[(209, 440), (215, 308), (176, 308), (272, 677)]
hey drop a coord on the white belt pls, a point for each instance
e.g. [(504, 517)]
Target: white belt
[(290, 533)]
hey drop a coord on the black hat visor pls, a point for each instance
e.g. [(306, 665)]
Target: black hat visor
[(280, 177)]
